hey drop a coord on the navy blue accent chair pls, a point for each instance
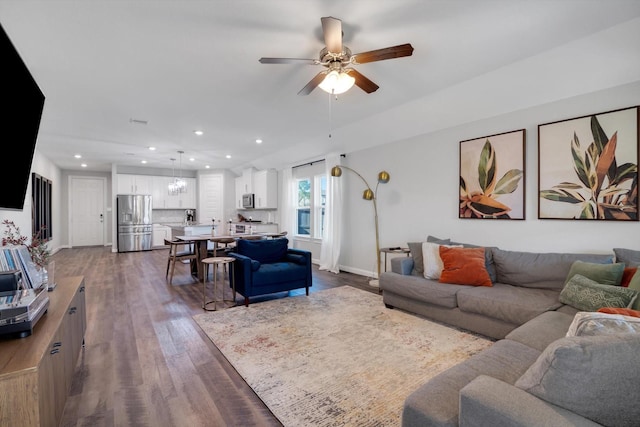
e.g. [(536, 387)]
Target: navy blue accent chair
[(268, 266)]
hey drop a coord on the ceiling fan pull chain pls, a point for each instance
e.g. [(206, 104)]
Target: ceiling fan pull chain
[(330, 116)]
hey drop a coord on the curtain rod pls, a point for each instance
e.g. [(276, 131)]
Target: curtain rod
[(312, 162)]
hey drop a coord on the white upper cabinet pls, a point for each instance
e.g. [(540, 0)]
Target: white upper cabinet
[(265, 188), (158, 187), (134, 184)]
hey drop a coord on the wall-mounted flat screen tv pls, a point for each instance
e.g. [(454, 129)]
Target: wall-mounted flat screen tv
[(21, 104)]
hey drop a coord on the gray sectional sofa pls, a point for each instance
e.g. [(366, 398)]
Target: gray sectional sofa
[(513, 382)]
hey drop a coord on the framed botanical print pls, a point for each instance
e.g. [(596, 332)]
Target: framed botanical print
[(492, 175), (588, 167)]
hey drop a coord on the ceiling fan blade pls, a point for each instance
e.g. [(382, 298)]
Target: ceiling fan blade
[(287, 61), (313, 83), (381, 54), (361, 81), (332, 29)]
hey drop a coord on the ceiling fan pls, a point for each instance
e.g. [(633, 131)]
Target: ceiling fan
[(338, 76)]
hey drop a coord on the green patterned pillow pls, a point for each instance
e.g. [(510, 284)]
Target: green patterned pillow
[(587, 295)]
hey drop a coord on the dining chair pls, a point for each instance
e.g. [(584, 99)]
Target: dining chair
[(221, 245), (179, 251)]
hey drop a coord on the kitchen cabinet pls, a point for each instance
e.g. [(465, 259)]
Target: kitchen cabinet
[(160, 232), (244, 185), (263, 184), (265, 189), (36, 372), (134, 184)]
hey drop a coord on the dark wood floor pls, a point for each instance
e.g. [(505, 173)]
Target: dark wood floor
[(146, 362)]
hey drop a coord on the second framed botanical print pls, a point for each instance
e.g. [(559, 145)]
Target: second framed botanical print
[(588, 167), (492, 176)]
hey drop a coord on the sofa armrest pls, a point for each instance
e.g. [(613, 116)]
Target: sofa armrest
[(402, 265), (488, 401)]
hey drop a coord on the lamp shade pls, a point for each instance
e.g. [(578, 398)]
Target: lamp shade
[(336, 171), (383, 177), (337, 82), (368, 194)]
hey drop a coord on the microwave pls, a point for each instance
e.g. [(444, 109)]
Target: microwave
[(248, 201)]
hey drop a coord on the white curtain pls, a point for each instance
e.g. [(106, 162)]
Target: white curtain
[(287, 214), (330, 250)]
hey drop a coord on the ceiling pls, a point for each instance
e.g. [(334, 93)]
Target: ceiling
[(179, 66)]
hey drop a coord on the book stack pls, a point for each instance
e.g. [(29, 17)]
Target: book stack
[(19, 258)]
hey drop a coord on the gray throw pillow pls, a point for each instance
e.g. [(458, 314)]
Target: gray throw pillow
[(416, 253), (588, 295), (629, 256), (596, 377)]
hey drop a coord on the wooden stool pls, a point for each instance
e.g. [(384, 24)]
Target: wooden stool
[(217, 262)]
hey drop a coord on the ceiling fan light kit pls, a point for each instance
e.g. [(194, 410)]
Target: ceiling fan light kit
[(336, 58), (337, 82)]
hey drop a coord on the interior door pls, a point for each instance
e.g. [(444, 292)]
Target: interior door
[(86, 211)]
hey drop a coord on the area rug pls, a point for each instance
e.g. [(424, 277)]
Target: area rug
[(337, 357)]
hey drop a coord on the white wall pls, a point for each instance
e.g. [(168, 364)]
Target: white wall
[(42, 166), (422, 196)]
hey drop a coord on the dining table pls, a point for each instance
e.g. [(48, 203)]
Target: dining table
[(201, 246)]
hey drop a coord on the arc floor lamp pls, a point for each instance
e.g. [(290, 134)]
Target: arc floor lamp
[(368, 194)]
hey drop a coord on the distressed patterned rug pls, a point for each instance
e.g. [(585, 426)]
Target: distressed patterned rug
[(337, 357)]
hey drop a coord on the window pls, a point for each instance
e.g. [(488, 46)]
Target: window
[(311, 205), (303, 223)]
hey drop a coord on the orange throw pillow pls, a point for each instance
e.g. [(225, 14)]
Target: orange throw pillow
[(627, 275), (464, 266), (623, 311)]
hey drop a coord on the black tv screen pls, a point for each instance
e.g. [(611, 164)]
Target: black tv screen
[(21, 104)]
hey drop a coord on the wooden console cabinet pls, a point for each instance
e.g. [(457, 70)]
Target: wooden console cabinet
[(36, 371)]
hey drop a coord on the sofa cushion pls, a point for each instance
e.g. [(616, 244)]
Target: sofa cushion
[(278, 272), (629, 256), (605, 274), (464, 266), (538, 270), (421, 289), (436, 403), (263, 251), (588, 295), (542, 330), (432, 260), (594, 376), (513, 304), (588, 324)]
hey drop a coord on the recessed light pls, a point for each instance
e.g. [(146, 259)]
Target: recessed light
[(228, 156), (144, 162), (84, 165), (152, 148), (207, 166), (198, 132), (192, 159), (77, 156), (258, 141)]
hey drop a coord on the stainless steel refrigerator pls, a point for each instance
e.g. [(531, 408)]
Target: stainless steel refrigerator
[(135, 229)]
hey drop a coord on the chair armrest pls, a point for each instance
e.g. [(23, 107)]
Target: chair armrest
[(488, 401), (402, 265), (295, 258), (305, 254), (242, 268)]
